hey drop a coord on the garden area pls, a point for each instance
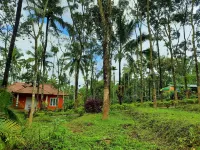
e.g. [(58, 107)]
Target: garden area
[(136, 126), (99, 75)]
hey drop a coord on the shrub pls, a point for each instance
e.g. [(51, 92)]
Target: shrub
[(69, 104), (5, 99), (80, 111), (93, 106)]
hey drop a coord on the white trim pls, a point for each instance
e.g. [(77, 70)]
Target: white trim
[(53, 101), (17, 101), (47, 99)]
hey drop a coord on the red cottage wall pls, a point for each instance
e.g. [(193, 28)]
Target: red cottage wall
[(60, 102), (21, 101)]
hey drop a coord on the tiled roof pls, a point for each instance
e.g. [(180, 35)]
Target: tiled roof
[(26, 88)]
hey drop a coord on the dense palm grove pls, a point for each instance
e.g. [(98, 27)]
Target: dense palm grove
[(123, 51)]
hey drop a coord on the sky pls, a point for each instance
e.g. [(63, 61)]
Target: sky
[(27, 44)]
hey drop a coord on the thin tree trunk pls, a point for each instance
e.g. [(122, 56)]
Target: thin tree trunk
[(151, 57), (159, 63), (195, 51), (34, 83), (91, 80), (120, 86), (12, 44), (44, 57), (172, 60), (141, 61), (76, 86), (106, 56), (184, 63), (36, 37)]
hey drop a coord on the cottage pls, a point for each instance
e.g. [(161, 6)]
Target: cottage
[(22, 93)]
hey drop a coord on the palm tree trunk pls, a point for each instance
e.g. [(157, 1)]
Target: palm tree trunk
[(106, 56), (12, 44), (151, 57), (120, 86), (195, 51), (159, 63), (91, 79), (172, 60), (86, 89), (184, 64), (141, 61), (34, 83), (76, 86), (44, 54)]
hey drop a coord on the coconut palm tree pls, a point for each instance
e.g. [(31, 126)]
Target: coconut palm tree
[(76, 62), (53, 17), (12, 44), (123, 33), (16, 66)]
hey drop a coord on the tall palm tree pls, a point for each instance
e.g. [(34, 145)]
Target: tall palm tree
[(105, 9), (35, 36), (195, 49), (12, 44), (16, 66), (53, 16), (151, 56), (123, 33), (76, 63)]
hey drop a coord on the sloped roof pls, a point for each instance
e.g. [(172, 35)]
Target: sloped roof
[(26, 88)]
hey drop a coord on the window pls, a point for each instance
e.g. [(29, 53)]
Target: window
[(53, 101)]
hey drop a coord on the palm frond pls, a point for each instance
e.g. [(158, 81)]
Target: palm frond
[(82, 69), (10, 132)]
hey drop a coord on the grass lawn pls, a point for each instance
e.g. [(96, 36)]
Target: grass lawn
[(128, 127)]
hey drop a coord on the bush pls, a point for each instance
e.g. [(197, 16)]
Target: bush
[(69, 104), (80, 111), (93, 106), (5, 99)]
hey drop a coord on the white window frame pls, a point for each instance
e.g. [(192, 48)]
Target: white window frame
[(53, 101)]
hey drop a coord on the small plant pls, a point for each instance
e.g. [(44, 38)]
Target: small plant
[(93, 106), (69, 104), (80, 111)]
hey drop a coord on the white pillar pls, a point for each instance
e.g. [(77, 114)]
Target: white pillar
[(46, 99), (17, 101)]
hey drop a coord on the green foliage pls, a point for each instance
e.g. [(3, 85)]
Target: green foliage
[(45, 135), (168, 103), (190, 107), (68, 104), (117, 132), (121, 107), (179, 128), (10, 134), (5, 99), (80, 111)]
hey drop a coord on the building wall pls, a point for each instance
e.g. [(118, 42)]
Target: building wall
[(22, 101), (60, 102)]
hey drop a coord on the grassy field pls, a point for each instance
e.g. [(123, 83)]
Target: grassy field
[(128, 127)]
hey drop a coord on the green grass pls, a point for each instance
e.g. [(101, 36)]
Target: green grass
[(115, 133), (128, 127), (86, 132), (173, 128)]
